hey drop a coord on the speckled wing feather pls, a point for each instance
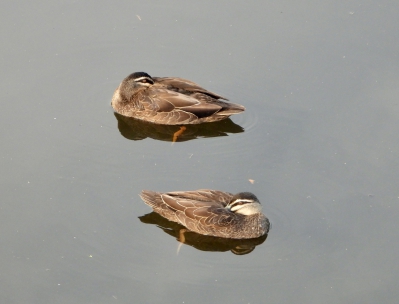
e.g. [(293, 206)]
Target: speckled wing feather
[(167, 101), (205, 195), (200, 211), (181, 84), (163, 105), (206, 217), (166, 105)]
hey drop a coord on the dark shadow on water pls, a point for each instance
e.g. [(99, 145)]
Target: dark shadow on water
[(199, 241), (135, 129)]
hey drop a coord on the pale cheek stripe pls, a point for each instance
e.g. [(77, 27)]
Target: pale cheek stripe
[(242, 200), (239, 202), (235, 208), (141, 78)]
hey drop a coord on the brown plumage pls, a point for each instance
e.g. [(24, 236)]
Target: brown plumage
[(169, 101), (211, 212)]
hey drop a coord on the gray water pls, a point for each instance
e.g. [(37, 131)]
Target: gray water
[(319, 139)]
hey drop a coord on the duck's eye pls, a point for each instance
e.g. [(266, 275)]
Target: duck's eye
[(144, 81)]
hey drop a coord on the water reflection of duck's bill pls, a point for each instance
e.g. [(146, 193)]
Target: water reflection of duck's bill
[(199, 241), (135, 129)]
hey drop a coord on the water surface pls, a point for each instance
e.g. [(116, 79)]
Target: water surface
[(319, 139)]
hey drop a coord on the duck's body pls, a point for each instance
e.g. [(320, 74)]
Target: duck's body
[(169, 101), (211, 212)]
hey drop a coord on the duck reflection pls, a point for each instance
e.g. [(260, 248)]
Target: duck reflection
[(199, 241), (135, 129)]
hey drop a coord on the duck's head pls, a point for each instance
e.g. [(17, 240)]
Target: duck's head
[(244, 203), (136, 81), (129, 86)]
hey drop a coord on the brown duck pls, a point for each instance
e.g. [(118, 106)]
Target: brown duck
[(169, 101), (212, 212)]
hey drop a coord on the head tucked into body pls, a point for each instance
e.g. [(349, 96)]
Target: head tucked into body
[(169, 101), (244, 203), (211, 212), (132, 83)]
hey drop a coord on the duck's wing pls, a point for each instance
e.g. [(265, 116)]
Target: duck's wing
[(204, 195), (171, 107), (199, 216), (181, 84), (164, 100)]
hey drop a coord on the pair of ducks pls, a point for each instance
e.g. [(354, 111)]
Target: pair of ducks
[(177, 101)]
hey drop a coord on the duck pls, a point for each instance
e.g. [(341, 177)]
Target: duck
[(211, 212), (170, 101)]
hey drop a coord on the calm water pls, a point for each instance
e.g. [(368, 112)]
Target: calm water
[(319, 138)]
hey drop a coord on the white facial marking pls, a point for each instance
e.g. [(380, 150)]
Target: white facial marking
[(140, 79), (242, 200), (247, 206)]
